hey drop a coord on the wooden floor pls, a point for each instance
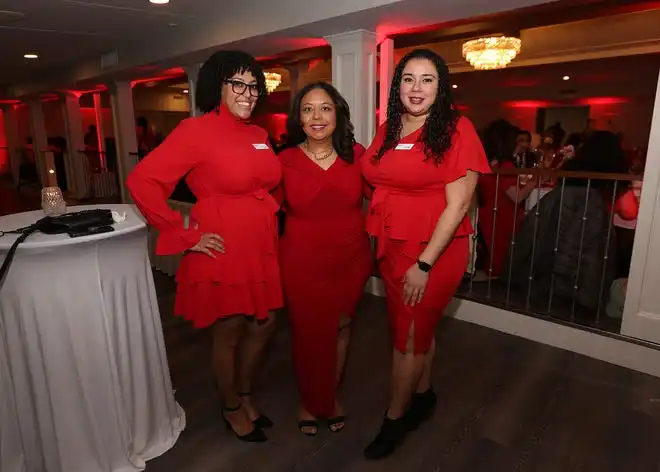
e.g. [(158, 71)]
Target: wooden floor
[(505, 405)]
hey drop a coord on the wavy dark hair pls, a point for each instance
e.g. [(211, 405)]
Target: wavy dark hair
[(343, 138), (219, 68), (441, 122)]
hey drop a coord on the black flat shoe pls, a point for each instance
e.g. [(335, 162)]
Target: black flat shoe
[(421, 408), (262, 421), (391, 435), (336, 423), (254, 436), (308, 424)]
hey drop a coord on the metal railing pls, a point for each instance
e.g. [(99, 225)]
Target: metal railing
[(561, 260)]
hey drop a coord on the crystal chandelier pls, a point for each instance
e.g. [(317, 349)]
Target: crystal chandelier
[(494, 52), (273, 80)]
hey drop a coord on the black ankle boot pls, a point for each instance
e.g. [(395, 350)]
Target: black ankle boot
[(421, 408), (391, 435)]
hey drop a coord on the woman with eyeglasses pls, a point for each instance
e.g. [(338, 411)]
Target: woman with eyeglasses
[(324, 251), (424, 164), (228, 278)]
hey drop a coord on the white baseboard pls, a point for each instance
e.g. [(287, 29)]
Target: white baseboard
[(605, 348)]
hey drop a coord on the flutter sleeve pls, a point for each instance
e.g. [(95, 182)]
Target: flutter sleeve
[(153, 180), (467, 152)]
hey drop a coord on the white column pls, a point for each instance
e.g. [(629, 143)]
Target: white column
[(75, 143), (13, 140), (385, 73), (43, 157), (123, 119), (100, 133), (296, 72), (192, 71), (641, 315), (354, 75)]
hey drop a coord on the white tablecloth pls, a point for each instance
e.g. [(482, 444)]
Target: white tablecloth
[(82, 342)]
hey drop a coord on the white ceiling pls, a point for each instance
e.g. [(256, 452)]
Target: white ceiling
[(62, 32), (71, 35)]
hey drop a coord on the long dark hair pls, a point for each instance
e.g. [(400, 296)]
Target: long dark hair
[(343, 138), (219, 68), (441, 122)]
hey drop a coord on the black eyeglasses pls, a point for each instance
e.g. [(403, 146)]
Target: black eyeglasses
[(239, 87)]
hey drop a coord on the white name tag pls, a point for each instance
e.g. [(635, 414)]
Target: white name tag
[(404, 147), (260, 146)]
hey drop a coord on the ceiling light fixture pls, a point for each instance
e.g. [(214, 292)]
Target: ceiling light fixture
[(159, 2), (454, 86), (185, 91), (566, 77), (30, 56), (494, 52), (273, 80)]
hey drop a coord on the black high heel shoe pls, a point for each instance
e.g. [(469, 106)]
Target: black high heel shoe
[(254, 436), (422, 406), (391, 435), (262, 421)]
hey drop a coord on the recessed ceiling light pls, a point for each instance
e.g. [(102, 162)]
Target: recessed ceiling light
[(566, 77), (30, 56), (159, 2), (185, 90), (454, 86)]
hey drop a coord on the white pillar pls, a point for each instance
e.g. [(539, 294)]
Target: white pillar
[(296, 72), (192, 71), (44, 159), (641, 315), (385, 73), (354, 75), (123, 119), (77, 182), (100, 133), (13, 140)]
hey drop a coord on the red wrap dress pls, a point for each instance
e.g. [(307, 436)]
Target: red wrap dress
[(231, 169), (408, 200), (325, 261)]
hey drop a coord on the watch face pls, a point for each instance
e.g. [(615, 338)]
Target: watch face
[(423, 266)]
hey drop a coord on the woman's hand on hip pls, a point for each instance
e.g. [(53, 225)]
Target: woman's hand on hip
[(414, 285), (209, 244)]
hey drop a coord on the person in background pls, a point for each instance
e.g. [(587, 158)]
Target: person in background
[(146, 139), (325, 255), (524, 158), (424, 165), (228, 279)]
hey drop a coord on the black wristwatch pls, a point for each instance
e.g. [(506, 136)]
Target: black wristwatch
[(424, 266)]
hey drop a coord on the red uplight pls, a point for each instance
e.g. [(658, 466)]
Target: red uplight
[(602, 101), (527, 104)]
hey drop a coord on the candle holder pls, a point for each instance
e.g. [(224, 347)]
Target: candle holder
[(52, 201)]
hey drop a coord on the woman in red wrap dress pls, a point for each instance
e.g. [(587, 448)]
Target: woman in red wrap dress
[(229, 276), (325, 256), (424, 165)]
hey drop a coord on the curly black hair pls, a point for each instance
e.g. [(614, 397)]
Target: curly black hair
[(343, 138), (443, 117), (219, 68)]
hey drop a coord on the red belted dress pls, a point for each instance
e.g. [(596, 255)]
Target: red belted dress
[(230, 167), (408, 199)]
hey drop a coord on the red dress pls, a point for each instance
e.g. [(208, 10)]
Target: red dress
[(325, 261), (509, 216), (231, 170), (408, 200)]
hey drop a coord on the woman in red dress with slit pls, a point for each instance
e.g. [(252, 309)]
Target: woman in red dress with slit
[(229, 276), (325, 256), (424, 165)]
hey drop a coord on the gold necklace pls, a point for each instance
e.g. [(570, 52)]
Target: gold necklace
[(319, 156)]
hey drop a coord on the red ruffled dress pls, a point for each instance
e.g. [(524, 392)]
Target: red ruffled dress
[(230, 167), (408, 200)]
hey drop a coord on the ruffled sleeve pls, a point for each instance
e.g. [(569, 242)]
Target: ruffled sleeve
[(467, 153), (153, 180)]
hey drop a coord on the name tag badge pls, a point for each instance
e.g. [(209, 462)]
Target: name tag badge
[(404, 147), (260, 147)]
